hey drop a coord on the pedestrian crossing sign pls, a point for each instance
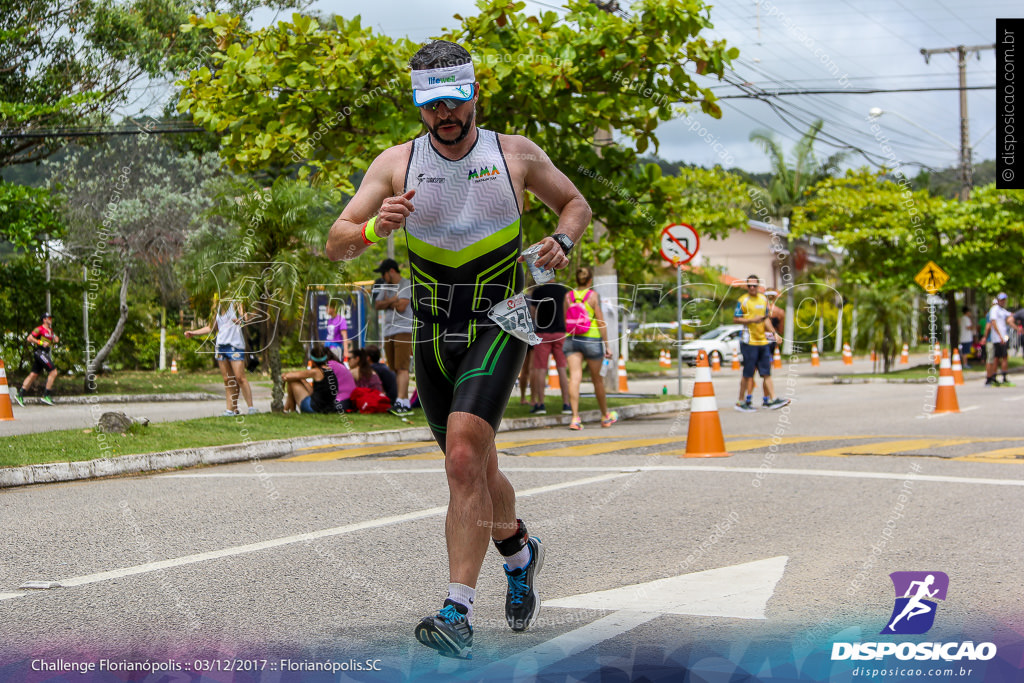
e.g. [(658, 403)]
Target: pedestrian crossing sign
[(931, 278)]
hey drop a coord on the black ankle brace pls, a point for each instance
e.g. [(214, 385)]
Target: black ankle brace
[(514, 543)]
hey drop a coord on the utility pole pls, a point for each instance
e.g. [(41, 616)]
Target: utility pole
[(966, 168), (606, 279)]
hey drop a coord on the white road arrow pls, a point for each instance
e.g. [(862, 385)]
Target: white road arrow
[(741, 591)]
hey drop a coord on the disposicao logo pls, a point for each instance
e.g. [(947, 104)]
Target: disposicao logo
[(914, 613), (916, 592)]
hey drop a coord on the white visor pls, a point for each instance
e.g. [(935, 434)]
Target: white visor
[(450, 82)]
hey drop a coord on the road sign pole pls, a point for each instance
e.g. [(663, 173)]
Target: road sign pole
[(679, 329)]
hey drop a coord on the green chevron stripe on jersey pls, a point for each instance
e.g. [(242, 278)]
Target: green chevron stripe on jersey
[(465, 235), (455, 259)]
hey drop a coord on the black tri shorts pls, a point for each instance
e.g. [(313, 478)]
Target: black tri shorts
[(466, 368), (42, 362)]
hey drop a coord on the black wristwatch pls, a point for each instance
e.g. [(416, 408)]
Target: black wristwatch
[(564, 242)]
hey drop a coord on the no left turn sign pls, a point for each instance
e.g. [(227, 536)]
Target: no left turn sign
[(679, 243)]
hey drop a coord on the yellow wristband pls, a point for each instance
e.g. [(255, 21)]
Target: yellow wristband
[(369, 234)]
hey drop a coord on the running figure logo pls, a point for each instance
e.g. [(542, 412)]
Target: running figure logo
[(913, 612)]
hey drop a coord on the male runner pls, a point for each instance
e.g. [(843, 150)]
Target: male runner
[(752, 311), (41, 338), (459, 190)]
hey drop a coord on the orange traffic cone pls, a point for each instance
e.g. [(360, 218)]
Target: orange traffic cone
[(958, 369), (777, 359), (815, 360), (735, 360), (704, 438), (847, 355), (553, 373), (174, 365), (936, 354), (874, 356), (945, 399), (905, 355), (6, 412), (716, 362), (309, 366), (664, 359), (623, 383)]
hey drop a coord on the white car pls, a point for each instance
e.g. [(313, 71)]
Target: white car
[(725, 340)]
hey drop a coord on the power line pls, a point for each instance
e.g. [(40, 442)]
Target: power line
[(98, 132), (841, 91)]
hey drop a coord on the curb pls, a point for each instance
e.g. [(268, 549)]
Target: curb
[(261, 450), (125, 398)]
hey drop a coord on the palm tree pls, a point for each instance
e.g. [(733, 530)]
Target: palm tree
[(264, 252), (788, 189), (882, 311)]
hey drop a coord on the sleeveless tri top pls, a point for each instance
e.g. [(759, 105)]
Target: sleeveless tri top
[(464, 237)]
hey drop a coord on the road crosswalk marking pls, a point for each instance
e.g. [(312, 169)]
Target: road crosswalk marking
[(1000, 455), (889, 447), (606, 447), (375, 449), (588, 445)]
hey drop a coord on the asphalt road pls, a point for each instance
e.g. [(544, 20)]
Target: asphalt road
[(760, 560)]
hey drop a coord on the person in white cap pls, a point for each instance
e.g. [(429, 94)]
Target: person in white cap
[(458, 190), (997, 340)]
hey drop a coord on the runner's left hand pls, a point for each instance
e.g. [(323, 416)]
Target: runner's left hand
[(550, 255)]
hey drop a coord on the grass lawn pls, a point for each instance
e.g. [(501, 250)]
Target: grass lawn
[(130, 382), (921, 371), (73, 445)]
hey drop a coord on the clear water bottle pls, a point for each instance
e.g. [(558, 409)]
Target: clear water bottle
[(540, 275), (605, 366)]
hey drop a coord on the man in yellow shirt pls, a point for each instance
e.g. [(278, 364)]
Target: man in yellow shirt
[(755, 347)]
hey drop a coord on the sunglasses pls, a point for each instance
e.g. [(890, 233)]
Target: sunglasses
[(451, 103)]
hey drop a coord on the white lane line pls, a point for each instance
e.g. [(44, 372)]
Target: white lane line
[(8, 596), (526, 664), (310, 536), (1014, 398), (623, 470)]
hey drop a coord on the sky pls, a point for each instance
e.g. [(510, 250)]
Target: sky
[(805, 45)]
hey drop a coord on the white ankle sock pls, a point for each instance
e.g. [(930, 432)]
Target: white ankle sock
[(464, 595), (520, 559)]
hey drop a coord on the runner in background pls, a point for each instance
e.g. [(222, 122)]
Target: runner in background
[(42, 340)]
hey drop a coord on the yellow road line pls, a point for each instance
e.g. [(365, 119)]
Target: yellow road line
[(889, 447), (598, 448), (1014, 454), (752, 444), (356, 452), (549, 440)]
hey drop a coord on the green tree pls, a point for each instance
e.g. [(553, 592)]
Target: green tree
[(788, 188), (72, 63), (331, 100), (26, 215), (128, 208), (263, 254), (882, 311)]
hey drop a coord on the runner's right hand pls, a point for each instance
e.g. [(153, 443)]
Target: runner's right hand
[(393, 213)]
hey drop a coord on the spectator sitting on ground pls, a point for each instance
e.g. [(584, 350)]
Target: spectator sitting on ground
[(362, 370), (318, 398), (346, 384), (388, 379)]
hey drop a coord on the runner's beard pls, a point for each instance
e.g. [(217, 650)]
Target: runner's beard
[(463, 132)]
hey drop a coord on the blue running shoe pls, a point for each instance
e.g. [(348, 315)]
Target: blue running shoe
[(449, 632), (522, 604)]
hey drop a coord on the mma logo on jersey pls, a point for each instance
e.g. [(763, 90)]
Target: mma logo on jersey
[(483, 173)]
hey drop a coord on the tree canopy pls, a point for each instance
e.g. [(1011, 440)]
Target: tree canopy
[(331, 99)]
